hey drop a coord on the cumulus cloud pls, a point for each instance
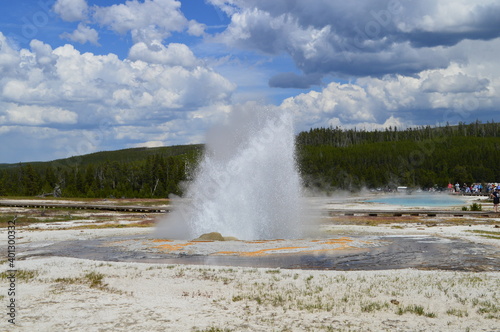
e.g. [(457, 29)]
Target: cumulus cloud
[(16, 114), (173, 54), (82, 35), (62, 87), (71, 10), (368, 37), (336, 104), (196, 28), (169, 77), (451, 94), (9, 57), (147, 21), (456, 83)]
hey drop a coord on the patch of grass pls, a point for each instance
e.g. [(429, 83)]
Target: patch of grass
[(92, 279), (44, 217), (95, 279), (273, 271), (373, 306), (145, 223), (491, 237), (69, 280), (375, 221), (237, 298), (21, 275), (415, 309), (51, 198), (457, 312), (487, 234), (397, 221), (142, 202), (180, 274), (489, 309), (20, 221)]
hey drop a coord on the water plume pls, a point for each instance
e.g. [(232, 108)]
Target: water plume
[(247, 184)]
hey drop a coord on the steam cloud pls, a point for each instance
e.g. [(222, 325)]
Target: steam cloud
[(247, 184)]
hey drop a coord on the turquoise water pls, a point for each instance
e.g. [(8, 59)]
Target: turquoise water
[(421, 200)]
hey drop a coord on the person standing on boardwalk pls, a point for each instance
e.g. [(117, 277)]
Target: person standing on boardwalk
[(496, 199)]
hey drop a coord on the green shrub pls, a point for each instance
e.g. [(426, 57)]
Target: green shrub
[(476, 207)]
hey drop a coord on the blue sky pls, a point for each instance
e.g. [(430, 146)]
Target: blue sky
[(83, 76)]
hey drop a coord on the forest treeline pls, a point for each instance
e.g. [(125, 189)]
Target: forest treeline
[(423, 157), (339, 137), (131, 173), (328, 158)]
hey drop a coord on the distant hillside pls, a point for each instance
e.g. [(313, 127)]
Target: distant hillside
[(137, 172), (124, 155)]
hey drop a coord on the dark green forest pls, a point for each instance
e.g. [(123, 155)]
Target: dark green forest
[(131, 173), (328, 158), (423, 157)]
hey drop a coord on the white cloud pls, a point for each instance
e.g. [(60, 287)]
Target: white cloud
[(82, 35), (345, 103), (147, 21), (196, 28), (9, 58), (170, 77), (34, 115), (457, 83), (154, 90), (71, 10), (451, 94), (150, 144), (361, 38), (173, 54), (455, 16)]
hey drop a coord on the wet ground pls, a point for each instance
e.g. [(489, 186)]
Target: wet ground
[(343, 253)]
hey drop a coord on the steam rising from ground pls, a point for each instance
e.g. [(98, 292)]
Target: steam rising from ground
[(247, 184)]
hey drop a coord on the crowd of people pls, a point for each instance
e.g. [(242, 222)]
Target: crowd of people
[(475, 188), (490, 189)]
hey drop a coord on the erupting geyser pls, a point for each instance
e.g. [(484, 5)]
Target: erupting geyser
[(247, 184)]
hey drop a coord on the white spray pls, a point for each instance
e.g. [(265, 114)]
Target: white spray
[(247, 184)]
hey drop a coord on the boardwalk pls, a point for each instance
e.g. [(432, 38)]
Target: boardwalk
[(331, 212), (399, 213), (122, 208)]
